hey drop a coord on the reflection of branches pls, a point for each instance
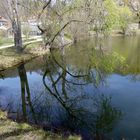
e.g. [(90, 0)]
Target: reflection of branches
[(107, 114), (57, 80), (81, 117), (75, 76), (78, 115), (57, 96), (64, 78), (55, 87), (68, 105), (80, 84)]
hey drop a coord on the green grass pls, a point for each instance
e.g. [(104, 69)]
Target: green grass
[(9, 41), (10, 58), (5, 41)]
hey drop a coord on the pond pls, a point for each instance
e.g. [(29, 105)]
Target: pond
[(91, 89)]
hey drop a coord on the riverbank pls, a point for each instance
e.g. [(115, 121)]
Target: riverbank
[(9, 58), (10, 130)]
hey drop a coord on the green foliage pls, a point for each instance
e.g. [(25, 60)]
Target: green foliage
[(112, 16), (124, 17), (5, 41), (110, 62), (116, 16)]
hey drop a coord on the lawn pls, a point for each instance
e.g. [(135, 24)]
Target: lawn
[(9, 41), (5, 41)]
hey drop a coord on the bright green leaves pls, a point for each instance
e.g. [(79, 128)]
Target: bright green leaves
[(124, 17), (112, 15), (116, 16), (110, 63)]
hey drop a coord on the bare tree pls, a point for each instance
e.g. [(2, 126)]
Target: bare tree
[(11, 10)]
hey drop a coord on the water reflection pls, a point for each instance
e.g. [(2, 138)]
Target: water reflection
[(77, 90), (92, 122), (25, 93), (65, 105)]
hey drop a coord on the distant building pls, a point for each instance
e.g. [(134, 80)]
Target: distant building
[(31, 26), (28, 27)]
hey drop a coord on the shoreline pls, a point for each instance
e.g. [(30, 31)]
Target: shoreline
[(11, 130), (9, 58)]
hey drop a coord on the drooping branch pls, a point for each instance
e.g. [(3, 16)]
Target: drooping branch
[(69, 22), (44, 7), (42, 30), (75, 76)]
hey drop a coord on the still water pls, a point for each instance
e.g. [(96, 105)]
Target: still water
[(91, 89)]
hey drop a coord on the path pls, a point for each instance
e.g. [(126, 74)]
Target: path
[(37, 39)]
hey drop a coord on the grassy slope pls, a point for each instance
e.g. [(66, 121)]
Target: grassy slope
[(10, 130), (5, 41), (9, 57), (9, 41)]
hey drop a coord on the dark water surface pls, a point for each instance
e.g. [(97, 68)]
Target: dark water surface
[(91, 89)]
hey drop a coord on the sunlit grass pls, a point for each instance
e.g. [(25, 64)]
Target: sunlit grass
[(5, 41), (9, 57)]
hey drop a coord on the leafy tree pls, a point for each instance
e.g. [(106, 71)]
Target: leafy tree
[(124, 18), (112, 15)]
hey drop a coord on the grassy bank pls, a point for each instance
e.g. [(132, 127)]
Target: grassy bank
[(9, 57), (10, 130), (9, 41), (5, 41)]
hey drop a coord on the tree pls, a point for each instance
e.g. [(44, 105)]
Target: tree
[(124, 18), (112, 15), (135, 6), (11, 10)]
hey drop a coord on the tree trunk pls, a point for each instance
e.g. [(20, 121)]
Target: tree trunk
[(17, 36)]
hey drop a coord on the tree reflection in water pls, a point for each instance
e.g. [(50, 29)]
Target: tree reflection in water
[(93, 122), (65, 105), (26, 99)]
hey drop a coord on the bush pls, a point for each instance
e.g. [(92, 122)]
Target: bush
[(124, 18)]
